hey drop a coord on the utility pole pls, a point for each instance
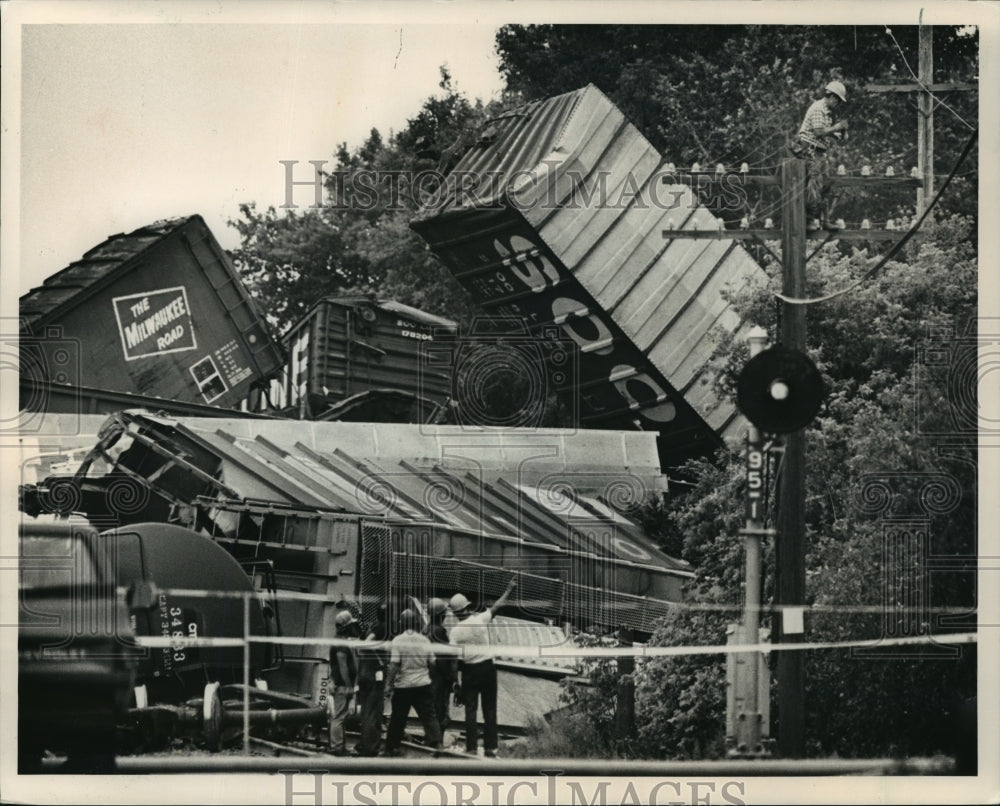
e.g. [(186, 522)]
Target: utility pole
[(790, 549), (748, 701), (925, 118), (926, 88)]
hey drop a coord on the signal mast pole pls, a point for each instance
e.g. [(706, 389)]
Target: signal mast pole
[(749, 720)]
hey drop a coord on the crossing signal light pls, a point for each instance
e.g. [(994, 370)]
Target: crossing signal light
[(780, 390)]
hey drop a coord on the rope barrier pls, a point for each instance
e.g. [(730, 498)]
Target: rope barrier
[(283, 595), (564, 651)]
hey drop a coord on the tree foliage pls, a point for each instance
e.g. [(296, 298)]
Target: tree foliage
[(893, 419), (734, 94), (875, 455), (288, 262), (893, 444)]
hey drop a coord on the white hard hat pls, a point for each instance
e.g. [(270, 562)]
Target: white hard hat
[(458, 603), (837, 89), (435, 607), (344, 618)]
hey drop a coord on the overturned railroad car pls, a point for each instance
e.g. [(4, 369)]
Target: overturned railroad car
[(360, 358), (357, 514), (158, 312), (555, 217)]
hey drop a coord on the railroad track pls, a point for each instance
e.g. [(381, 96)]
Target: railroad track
[(316, 749), (463, 765)]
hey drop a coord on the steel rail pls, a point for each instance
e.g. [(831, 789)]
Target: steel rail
[(453, 765)]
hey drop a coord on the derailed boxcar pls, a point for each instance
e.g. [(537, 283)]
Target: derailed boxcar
[(158, 312), (355, 512), (355, 516), (555, 216), (364, 349)]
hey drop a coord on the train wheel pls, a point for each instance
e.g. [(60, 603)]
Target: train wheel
[(212, 717)]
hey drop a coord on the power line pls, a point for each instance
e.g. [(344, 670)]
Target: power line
[(897, 246), (923, 86)]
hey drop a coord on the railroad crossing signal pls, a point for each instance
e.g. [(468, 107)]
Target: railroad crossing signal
[(780, 390)]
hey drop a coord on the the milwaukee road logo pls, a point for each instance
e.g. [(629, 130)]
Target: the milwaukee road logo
[(155, 322)]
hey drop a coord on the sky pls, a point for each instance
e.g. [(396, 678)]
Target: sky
[(123, 125)]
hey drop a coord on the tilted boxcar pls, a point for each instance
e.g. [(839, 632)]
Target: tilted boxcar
[(361, 353), (555, 216), (158, 312)]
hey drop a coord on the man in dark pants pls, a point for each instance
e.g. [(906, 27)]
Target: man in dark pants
[(372, 665), (443, 672), (477, 672), (811, 144), (408, 683), (343, 670)]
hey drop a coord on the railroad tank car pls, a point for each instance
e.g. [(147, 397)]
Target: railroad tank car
[(168, 557)]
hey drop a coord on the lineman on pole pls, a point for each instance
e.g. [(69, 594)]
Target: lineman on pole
[(812, 143)]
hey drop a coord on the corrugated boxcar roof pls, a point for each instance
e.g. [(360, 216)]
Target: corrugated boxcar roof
[(548, 160), (415, 313), (552, 483), (97, 264), (583, 454), (511, 143), (507, 631)]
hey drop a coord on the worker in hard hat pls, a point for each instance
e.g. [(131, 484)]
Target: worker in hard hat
[(444, 671), (372, 664), (477, 675), (344, 674), (408, 684), (812, 143)]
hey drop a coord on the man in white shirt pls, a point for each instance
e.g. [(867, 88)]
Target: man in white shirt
[(477, 679), (408, 683)]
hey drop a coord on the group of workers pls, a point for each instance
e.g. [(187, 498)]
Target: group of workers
[(410, 672)]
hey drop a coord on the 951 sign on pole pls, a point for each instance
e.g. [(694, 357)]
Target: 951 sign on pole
[(755, 481)]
